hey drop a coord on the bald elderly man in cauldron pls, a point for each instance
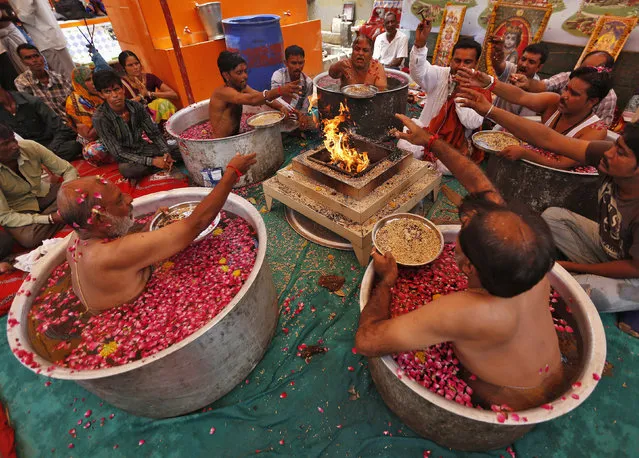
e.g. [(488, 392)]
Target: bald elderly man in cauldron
[(501, 326), (110, 267)]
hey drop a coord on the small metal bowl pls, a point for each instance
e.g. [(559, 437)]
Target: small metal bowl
[(263, 119), (387, 219), (360, 91), (477, 139), (185, 209)]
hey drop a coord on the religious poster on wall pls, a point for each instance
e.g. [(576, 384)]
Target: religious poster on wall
[(571, 22), (610, 34), (518, 26), (451, 25)]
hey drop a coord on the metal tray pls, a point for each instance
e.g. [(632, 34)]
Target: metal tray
[(387, 219), (184, 209), (253, 121), (483, 146)]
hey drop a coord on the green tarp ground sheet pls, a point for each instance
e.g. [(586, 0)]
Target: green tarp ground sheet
[(320, 414)]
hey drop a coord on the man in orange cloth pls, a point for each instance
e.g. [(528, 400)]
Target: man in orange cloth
[(443, 117), (361, 68), (225, 107)]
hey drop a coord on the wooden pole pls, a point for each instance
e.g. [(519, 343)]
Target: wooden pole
[(178, 50)]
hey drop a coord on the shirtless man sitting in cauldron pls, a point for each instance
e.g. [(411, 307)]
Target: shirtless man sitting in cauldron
[(110, 267), (360, 68), (225, 107), (501, 327)]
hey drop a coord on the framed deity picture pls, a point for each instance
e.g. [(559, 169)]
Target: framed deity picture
[(449, 30), (610, 34), (518, 25)]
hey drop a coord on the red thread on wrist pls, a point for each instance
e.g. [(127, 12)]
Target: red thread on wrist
[(431, 141), (236, 170), (492, 85), (279, 90)]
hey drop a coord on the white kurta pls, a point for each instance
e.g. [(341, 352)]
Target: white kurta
[(385, 51), (40, 23)]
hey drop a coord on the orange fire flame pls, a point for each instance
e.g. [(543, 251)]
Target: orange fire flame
[(336, 143)]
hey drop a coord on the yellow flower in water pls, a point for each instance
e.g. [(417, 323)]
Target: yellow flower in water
[(218, 231), (109, 348), (225, 268), (222, 261), (237, 272), (436, 296), (420, 356)]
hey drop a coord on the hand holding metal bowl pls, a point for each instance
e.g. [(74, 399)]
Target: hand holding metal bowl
[(181, 211)]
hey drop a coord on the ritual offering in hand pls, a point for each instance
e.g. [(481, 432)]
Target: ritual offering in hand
[(359, 91), (178, 212), (412, 239), (265, 119), (494, 141)]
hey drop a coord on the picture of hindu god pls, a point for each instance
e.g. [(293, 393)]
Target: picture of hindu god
[(610, 34), (512, 40)]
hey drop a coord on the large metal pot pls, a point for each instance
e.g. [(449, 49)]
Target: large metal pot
[(465, 428), (540, 187), (194, 372), (372, 117), (199, 155)]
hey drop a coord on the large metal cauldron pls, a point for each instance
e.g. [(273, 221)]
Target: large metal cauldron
[(208, 154), (372, 117), (540, 187), (194, 372), (469, 429)]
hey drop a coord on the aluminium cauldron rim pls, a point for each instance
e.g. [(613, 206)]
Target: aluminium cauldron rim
[(594, 355), (405, 78), (194, 106), (14, 333)]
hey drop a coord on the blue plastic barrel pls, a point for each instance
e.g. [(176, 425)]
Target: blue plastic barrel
[(259, 40)]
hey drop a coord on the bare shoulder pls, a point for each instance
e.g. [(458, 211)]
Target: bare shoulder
[(596, 131)]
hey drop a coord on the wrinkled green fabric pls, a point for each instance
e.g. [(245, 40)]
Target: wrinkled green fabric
[(253, 417)]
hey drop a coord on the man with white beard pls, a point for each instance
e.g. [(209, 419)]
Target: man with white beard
[(110, 267)]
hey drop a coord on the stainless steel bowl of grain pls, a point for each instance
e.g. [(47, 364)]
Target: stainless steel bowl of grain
[(493, 141), (360, 91), (265, 119), (180, 211), (413, 240)]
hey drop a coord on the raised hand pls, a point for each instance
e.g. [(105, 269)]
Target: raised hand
[(415, 135), (468, 97), (469, 77), (422, 32), (519, 80), (290, 89)]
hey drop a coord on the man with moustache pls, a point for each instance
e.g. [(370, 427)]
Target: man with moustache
[(530, 62), (121, 123), (225, 107), (603, 255), (441, 115), (391, 48), (110, 267), (28, 208), (360, 68), (571, 113)]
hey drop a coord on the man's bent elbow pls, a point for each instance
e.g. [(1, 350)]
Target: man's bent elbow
[(364, 345)]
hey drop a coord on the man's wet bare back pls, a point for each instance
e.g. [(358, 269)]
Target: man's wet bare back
[(109, 267), (360, 68), (225, 106), (509, 343)]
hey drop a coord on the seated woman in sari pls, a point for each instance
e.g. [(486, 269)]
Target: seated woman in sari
[(80, 106), (147, 88)]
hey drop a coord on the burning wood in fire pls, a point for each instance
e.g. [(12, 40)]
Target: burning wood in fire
[(337, 143)]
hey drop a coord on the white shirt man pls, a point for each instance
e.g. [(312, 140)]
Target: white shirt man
[(41, 25), (385, 51)]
